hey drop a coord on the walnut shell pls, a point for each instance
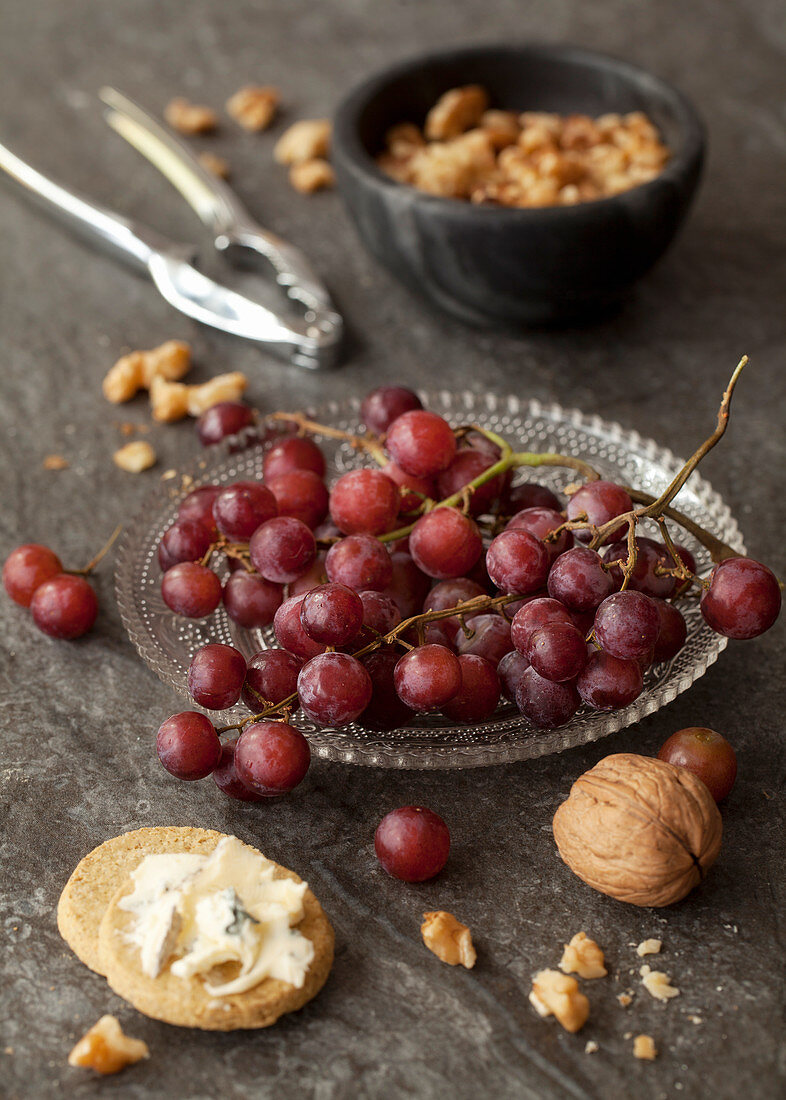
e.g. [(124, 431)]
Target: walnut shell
[(639, 830)]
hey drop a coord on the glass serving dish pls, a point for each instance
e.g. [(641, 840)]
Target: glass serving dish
[(167, 642)]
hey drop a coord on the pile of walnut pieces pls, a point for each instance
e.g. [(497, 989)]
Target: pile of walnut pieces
[(303, 147), (469, 151)]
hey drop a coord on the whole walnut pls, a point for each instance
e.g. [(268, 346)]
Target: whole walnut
[(639, 830)]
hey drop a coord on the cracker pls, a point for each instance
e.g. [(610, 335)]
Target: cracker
[(98, 877), (184, 1001)]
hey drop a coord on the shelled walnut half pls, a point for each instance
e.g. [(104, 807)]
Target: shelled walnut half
[(639, 830), (106, 1048)]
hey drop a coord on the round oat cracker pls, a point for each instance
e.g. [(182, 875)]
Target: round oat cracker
[(98, 877), (185, 1001)]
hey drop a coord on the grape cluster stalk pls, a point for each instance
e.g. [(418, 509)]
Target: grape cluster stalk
[(429, 581)]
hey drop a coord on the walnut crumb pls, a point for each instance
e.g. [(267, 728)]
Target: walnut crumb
[(106, 1049), (644, 1047), (658, 984), (649, 947), (55, 462), (171, 401), (591, 1047), (696, 1019), (582, 956), (448, 939), (625, 999), (215, 164), (136, 371), (168, 475), (304, 140), (254, 108), (190, 118), (308, 176), (556, 994), (135, 457)]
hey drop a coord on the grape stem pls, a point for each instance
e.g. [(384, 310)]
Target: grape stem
[(373, 445), (416, 622), (88, 569)]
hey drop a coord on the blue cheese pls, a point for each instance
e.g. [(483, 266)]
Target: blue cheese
[(197, 912)]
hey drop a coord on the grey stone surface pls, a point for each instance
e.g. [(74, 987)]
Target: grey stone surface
[(79, 719)]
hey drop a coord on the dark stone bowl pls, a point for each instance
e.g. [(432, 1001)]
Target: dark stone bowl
[(498, 266)]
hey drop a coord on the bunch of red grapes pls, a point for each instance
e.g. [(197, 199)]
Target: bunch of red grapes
[(63, 604), (505, 599)]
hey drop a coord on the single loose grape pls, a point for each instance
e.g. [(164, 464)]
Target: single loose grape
[(219, 421), (294, 452), (282, 549), (242, 507), (185, 540), (600, 502), (627, 624), (477, 698), (546, 704), (271, 677), (300, 494), (557, 651), (578, 579), (609, 683), (445, 543), (510, 670), (332, 613), (517, 562), (360, 562), (191, 589), (250, 600), (364, 502), (334, 688), (412, 843), (706, 754)]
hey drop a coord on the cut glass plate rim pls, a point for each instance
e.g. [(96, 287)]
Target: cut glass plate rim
[(166, 642)]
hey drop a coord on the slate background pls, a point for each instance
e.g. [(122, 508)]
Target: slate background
[(78, 719)]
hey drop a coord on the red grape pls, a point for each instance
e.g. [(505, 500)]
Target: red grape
[(216, 675), (185, 540), (191, 589), (743, 599), (271, 677), (386, 710), (188, 746), (478, 695), (227, 779), (600, 501), (449, 594), (26, 568), (385, 404), (302, 495), (705, 754), (271, 757), (412, 490), (334, 689), (546, 704), (490, 638), (282, 549), (412, 843), (609, 683), (651, 557), (672, 632), (532, 616), (427, 677), (407, 586), (557, 651), (219, 421), (251, 601), (627, 624), (332, 613), (364, 502), (360, 562), (421, 442), (242, 507), (517, 562), (290, 633), (578, 579), (541, 522), (313, 576), (65, 606), (445, 543), (380, 615), (294, 452), (198, 506), (468, 464), (531, 495), (510, 670)]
